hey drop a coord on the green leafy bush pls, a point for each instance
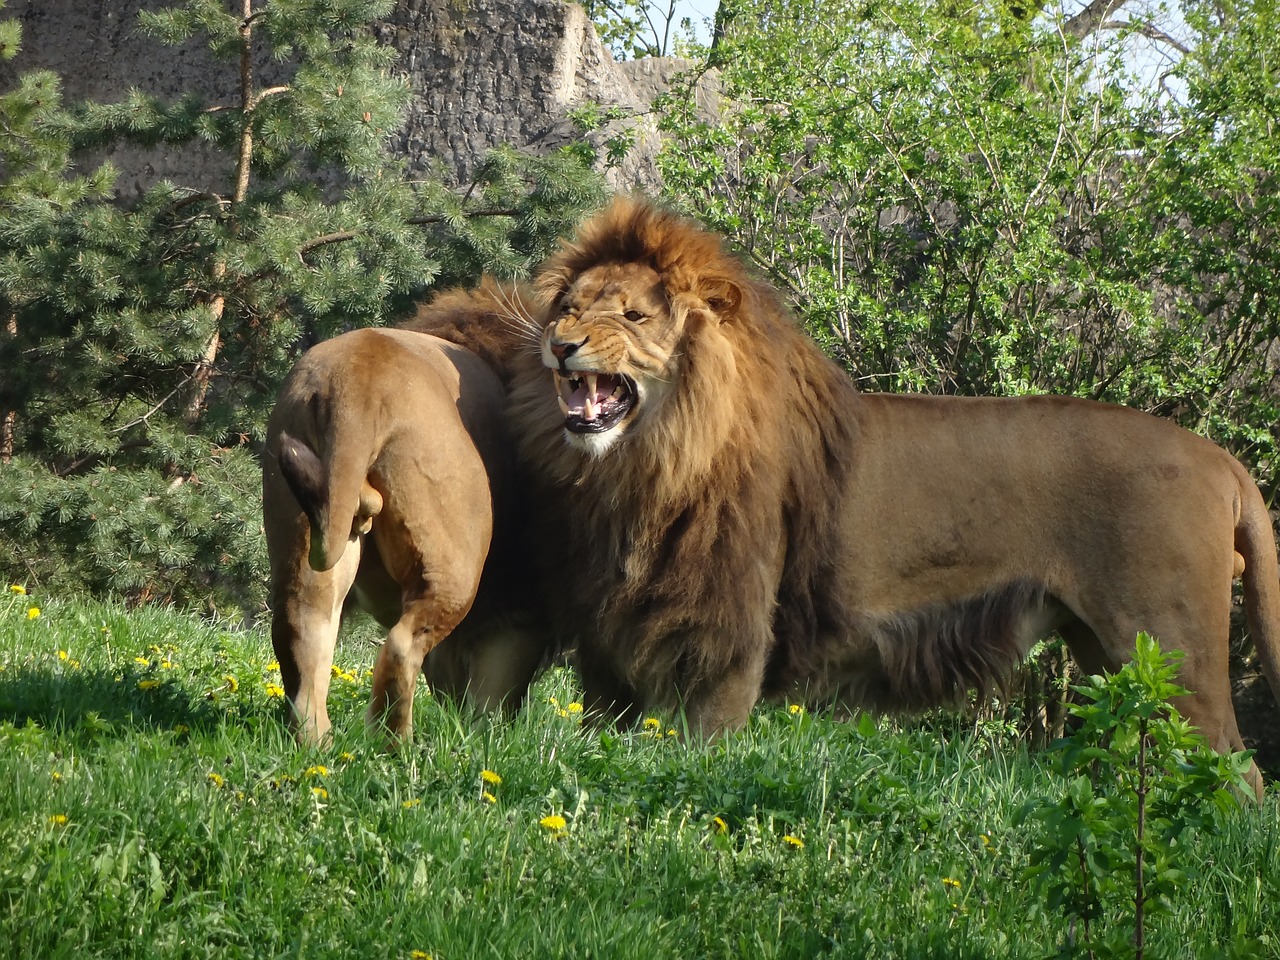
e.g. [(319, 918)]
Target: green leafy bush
[(1139, 780), (965, 201)]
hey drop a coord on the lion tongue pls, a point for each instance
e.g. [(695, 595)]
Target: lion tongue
[(584, 397)]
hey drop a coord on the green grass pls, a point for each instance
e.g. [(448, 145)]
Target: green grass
[(153, 805)]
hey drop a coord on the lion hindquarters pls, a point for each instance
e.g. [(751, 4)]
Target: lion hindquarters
[(377, 492), (305, 475)]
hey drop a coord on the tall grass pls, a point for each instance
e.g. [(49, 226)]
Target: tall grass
[(152, 805)]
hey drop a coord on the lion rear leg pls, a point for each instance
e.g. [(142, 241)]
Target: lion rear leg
[(425, 621), (307, 613), (1195, 623)]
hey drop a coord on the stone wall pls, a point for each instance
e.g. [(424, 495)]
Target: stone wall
[(484, 73)]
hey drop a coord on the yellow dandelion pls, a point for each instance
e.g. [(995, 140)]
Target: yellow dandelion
[(273, 665), (75, 664), (491, 778), (148, 684), (63, 655), (420, 955), (562, 713), (719, 826), (181, 729), (216, 779), (488, 797), (166, 664), (58, 819), (142, 661), (652, 723), (33, 612), (553, 701), (320, 792), (346, 756), (155, 648), (410, 804), (18, 588), (275, 691), (950, 882), (553, 822), (574, 707), (671, 732), (795, 709), (794, 842), (319, 770), (55, 776), (230, 680)]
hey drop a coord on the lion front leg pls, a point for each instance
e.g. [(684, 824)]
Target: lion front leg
[(723, 703), (606, 696)]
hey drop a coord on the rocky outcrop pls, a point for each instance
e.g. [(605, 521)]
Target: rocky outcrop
[(483, 72)]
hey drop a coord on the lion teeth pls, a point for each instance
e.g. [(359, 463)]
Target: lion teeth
[(591, 385), (589, 408), (564, 405)]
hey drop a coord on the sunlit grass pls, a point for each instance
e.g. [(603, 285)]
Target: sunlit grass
[(153, 805)]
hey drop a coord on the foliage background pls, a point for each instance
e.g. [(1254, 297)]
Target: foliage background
[(976, 200), (143, 341)]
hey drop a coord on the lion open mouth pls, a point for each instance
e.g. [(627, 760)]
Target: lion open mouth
[(594, 402)]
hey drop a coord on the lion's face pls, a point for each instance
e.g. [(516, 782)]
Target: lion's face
[(611, 346)]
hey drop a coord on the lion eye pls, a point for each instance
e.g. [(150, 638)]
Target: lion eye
[(635, 316)]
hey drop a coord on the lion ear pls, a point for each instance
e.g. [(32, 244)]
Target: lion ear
[(721, 294), (552, 283)]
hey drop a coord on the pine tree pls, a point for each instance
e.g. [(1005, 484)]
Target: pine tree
[(142, 344)]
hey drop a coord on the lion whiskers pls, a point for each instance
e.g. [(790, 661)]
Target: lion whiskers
[(515, 315)]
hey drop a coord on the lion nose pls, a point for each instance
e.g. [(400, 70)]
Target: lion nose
[(563, 351)]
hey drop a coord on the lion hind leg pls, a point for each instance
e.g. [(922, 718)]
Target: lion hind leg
[(304, 633), (424, 623), (1196, 623)]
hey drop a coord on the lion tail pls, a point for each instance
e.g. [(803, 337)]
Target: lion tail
[(1256, 544), (333, 523)]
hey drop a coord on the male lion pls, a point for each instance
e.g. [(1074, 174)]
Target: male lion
[(730, 519), (386, 478)]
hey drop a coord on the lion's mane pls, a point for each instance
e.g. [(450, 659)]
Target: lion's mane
[(727, 494), (707, 537)]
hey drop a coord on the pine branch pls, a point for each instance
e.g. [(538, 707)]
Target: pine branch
[(341, 236), (147, 416)]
